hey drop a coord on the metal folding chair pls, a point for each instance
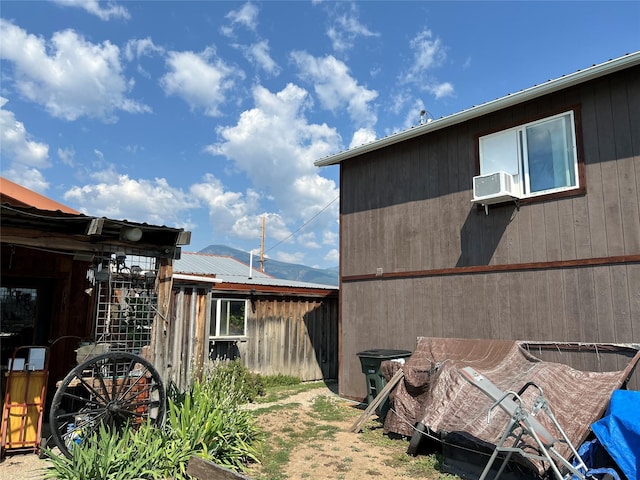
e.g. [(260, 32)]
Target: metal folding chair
[(523, 422)]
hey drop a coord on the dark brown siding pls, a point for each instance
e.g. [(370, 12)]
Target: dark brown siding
[(573, 263)]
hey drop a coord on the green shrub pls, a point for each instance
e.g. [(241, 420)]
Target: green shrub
[(211, 423), (207, 421), (113, 455), (248, 385)]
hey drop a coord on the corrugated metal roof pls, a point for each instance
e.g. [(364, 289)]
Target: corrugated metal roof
[(230, 270), (536, 91)]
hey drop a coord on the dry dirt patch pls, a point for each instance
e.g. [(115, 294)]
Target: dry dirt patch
[(321, 449)]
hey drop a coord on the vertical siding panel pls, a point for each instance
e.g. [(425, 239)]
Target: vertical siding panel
[(497, 237), (571, 305), (604, 307), (566, 225), (528, 298), (538, 234), (587, 319), (624, 152), (558, 325), (504, 321), (452, 306), (467, 322), (513, 241), (595, 204), (541, 313), (610, 185), (581, 227), (435, 307), (492, 305), (629, 203), (621, 303), (308, 358), (552, 230), (525, 236), (516, 303)]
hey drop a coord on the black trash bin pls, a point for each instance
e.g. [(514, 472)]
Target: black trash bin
[(371, 361)]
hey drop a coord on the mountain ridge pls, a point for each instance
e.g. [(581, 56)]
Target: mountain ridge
[(283, 270)]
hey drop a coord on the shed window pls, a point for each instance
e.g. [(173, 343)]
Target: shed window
[(228, 317), (540, 156)]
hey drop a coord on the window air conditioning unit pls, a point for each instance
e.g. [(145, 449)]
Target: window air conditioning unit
[(495, 188)]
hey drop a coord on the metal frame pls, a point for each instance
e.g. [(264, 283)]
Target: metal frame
[(523, 422)]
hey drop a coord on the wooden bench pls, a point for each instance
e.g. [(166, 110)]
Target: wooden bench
[(207, 470)]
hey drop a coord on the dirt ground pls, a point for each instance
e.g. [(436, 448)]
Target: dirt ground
[(345, 456)]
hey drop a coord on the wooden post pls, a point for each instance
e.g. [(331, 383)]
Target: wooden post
[(159, 334), (399, 375), (201, 333), (207, 470)]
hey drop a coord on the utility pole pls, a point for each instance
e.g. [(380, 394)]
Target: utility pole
[(262, 247)]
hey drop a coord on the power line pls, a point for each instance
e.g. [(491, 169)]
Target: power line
[(303, 225)]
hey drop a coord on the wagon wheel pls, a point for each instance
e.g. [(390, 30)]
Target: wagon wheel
[(112, 389)]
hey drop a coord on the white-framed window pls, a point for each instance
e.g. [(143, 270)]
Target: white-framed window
[(540, 156), (228, 318)]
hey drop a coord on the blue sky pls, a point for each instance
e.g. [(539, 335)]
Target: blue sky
[(209, 115)]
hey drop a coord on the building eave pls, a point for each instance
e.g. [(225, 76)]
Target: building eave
[(531, 93)]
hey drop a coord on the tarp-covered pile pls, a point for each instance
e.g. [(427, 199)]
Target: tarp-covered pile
[(619, 431), (434, 393)]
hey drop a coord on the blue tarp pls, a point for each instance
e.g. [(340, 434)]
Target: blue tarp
[(619, 431)]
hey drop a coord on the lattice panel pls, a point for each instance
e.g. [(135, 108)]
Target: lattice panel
[(126, 302)]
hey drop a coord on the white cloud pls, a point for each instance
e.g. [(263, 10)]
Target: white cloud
[(141, 47), (78, 79), (225, 208), (234, 215), (111, 10), (336, 88), (273, 143), (67, 156), (362, 136), (429, 53), (250, 227), (21, 156), (258, 53), (288, 257), (346, 28), (333, 256), (246, 16), (199, 79), (118, 196), (308, 240), (441, 90), (16, 145), (329, 238)]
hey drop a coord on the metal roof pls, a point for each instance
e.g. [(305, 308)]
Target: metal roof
[(230, 270), (536, 91), (77, 233), (30, 220)]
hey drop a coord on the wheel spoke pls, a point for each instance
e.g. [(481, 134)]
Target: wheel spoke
[(91, 389)]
